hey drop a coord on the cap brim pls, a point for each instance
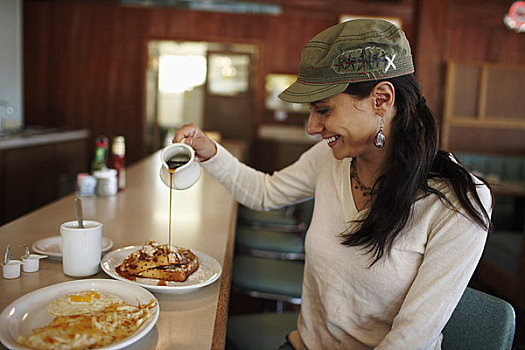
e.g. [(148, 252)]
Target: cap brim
[(300, 92)]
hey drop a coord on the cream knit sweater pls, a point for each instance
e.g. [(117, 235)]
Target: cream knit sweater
[(401, 302)]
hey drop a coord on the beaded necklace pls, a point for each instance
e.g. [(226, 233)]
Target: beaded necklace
[(366, 191)]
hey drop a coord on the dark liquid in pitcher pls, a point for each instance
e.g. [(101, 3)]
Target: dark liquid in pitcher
[(177, 161)]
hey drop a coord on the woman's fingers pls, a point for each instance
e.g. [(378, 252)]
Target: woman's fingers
[(187, 130), (192, 135)]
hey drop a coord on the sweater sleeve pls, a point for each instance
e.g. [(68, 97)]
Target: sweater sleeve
[(261, 191), (453, 250)]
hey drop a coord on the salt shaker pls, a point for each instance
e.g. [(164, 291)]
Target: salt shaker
[(106, 182)]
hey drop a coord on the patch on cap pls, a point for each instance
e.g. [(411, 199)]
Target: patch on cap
[(363, 60)]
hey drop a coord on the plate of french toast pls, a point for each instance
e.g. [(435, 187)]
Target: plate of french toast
[(161, 267)]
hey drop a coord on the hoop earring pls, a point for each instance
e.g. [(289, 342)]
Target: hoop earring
[(379, 140)]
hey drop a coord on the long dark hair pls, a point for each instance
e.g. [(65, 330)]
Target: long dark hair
[(414, 158)]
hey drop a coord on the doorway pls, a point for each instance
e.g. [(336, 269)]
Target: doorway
[(209, 84)]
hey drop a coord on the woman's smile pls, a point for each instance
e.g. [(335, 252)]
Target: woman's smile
[(332, 140)]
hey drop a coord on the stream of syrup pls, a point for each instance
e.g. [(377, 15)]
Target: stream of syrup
[(171, 195), (173, 163)]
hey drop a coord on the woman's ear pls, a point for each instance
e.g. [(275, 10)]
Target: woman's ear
[(383, 97)]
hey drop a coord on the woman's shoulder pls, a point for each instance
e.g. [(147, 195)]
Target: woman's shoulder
[(445, 186), (316, 159)]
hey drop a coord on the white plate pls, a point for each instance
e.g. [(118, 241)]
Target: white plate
[(50, 246), (208, 272), (29, 311)]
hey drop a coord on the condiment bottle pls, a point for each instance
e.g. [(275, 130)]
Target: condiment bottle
[(101, 153), (119, 153)]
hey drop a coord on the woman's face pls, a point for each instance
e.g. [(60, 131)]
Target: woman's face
[(349, 125)]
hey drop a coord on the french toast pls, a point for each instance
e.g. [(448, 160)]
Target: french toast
[(160, 261), (171, 272)]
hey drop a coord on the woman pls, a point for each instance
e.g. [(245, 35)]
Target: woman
[(398, 225)]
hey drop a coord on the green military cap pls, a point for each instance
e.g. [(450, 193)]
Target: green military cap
[(349, 52)]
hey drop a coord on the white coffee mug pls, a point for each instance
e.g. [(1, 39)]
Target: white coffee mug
[(186, 173), (81, 248)]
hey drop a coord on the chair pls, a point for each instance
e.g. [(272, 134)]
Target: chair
[(262, 331), (272, 279), (278, 219), (269, 243), (480, 321), (269, 263), (502, 266), (274, 234)]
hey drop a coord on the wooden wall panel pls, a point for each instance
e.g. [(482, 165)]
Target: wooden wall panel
[(428, 55), (484, 140), (477, 34), (463, 31), (84, 61), (83, 68)]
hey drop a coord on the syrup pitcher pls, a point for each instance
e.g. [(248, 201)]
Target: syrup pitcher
[(179, 159)]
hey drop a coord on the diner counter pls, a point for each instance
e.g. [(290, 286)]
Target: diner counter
[(203, 219)]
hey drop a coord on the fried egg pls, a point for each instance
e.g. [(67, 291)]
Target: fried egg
[(82, 303)]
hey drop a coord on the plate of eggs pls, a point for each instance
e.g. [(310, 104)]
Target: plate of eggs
[(33, 319)]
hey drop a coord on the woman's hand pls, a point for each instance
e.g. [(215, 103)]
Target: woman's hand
[(204, 147)]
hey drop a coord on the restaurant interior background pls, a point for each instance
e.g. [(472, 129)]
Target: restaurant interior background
[(116, 67)]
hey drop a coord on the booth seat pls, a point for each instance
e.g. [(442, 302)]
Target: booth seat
[(269, 253), (274, 234), (500, 171), (502, 267), (279, 219), (498, 167)]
